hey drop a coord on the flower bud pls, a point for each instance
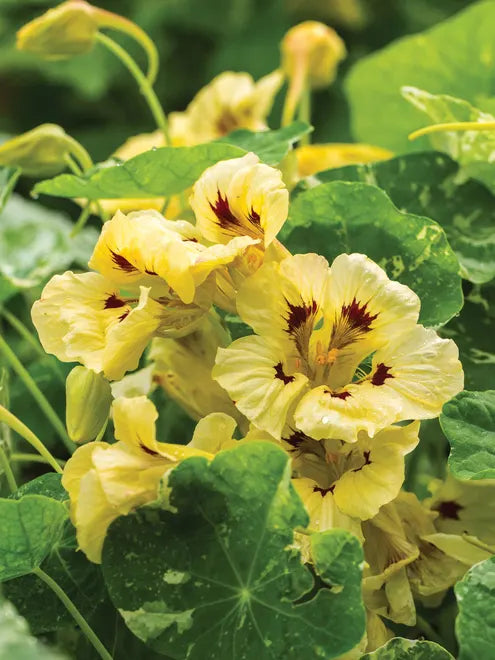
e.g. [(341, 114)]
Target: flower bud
[(314, 49), (67, 30), (88, 401), (40, 152)]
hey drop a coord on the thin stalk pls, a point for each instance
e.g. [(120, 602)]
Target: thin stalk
[(74, 612), (305, 111), (454, 126), (82, 219), (144, 84), (23, 331), (16, 425), (83, 157), (36, 393), (297, 83), (5, 465), (32, 458)]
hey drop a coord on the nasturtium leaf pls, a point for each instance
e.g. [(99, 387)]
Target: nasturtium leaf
[(35, 242), (454, 57), (31, 527), (8, 179), (270, 146), (468, 421), (16, 642), (425, 184), (474, 150), (400, 648), (475, 624), (155, 173), (80, 579), (355, 217), (216, 575)]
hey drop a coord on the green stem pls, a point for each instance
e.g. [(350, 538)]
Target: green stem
[(23, 331), (20, 428), (75, 613), (454, 126), (85, 160), (32, 458), (36, 393), (82, 219), (305, 111), (5, 464), (427, 630), (144, 84)]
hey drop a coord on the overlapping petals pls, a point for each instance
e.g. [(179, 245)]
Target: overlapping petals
[(350, 335)]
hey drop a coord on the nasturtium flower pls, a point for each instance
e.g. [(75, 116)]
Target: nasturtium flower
[(144, 249), (229, 102), (182, 367), (105, 481), (85, 318), (313, 158), (338, 351), (240, 197)]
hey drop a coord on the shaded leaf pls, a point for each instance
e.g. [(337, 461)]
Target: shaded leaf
[(355, 217), (454, 57), (218, 576), (155, 173), (475, 624), (400, 648), (31, 527), (468, 421), (426, 184)]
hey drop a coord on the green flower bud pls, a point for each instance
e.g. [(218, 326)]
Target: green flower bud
[(40, 152), (67, 30), (88, 401)]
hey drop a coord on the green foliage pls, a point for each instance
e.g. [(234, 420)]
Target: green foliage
[(16, 642), (356, 217), (475, 625), (31, 526), (455, 57), (213, 575), (399, 648), (8, 179), (468, 421), (35, 243), (427, 184)]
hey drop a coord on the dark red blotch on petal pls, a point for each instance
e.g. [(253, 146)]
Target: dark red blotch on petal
[(122, 263), (381, 374), (357, 316), (449, 509), (279, 373)]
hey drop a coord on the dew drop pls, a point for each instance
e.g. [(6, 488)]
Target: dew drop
[(325, 420)]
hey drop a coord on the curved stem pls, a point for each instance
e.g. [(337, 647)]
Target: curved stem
[(144, 84), (74, 612), (454, 126), (5, 465), (20, 428), (82, 219), (36, 393), (297, 83), (23, 332), (85, 160), (32, 458)]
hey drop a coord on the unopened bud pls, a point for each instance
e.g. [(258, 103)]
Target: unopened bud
[(40, 152), (88, 401), (314, 49), (67, 30)]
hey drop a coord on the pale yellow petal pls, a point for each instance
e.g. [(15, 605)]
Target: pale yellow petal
[(214, 433)]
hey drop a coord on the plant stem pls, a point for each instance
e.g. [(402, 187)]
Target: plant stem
[(144, 84), (32, 458), (454, 126), (26, 433), (23, 331), (5, 464), (78, 171), (75, 613), (36, 393), (297, 83), (427, 629), (305, 111), (85, 160), (101, 432), (82, 219)]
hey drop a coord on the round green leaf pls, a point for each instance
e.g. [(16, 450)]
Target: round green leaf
[(468, 421), (400, 648), (216, 574), (454, 57), (426, 184), (31, 527), (475, 625), (355, 217)]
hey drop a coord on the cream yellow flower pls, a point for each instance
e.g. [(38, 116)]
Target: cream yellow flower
[(337, 351), (313, 158), (240, 197), (105, 481), (174, 360), (145, 249), (229, 102), (84, 318)]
